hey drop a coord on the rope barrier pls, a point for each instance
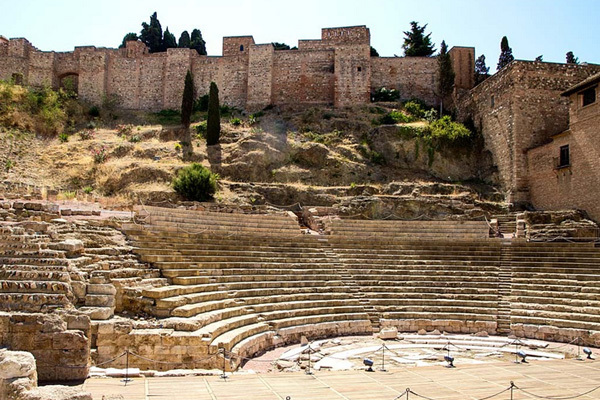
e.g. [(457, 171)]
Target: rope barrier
[(558, 397)]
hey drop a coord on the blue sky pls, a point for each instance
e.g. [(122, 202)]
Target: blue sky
[(534, 27)]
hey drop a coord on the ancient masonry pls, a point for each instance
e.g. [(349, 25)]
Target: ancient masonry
[(337, 69)]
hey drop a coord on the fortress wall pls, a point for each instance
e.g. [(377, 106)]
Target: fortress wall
[(260, 76), (41, 69), (352, 75), (123, 80), (237, 45), (92, 75), (66, 63), (411, 76), (303, 77), (463, 64), (150, 81), (178, 62), (233, 80)]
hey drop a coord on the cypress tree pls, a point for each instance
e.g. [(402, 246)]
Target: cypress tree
[(506, 56), (213, 123), (197, 42), (447, 75), (416, 43), (184, 40), (152, 34), (481, 70), (129, 37), (187, 102), (169, 41), (571, 59)]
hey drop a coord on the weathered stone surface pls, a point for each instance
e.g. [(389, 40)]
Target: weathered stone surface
[(388, 333)]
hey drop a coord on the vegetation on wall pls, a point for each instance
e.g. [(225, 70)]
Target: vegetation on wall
[(384, 94), (416, 43), (571, 59), (195, 183)]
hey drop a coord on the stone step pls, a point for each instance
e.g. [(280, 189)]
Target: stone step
[(281, 258), (9, 286), (17, 274), (298, 277), (464, 316), (239, 264), (33, 302)]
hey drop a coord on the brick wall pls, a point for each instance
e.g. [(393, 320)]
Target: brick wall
[(519, 108), (575, 186), (411, 76), (303, 77), (260, 76)]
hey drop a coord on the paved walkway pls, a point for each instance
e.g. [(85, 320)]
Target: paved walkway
[(542, 378)]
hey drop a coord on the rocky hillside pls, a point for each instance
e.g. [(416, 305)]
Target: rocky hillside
[(375, 155)]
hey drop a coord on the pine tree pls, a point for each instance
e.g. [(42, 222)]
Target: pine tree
[(447, 75), (539, 58), (571, 59), (374, 52), (506, 56), (213, 123), (481, 70), (131, 36), (197, 42), (169, 41), (152, 35), (416, 44), (280, 46), (187, 102), (184, 40)]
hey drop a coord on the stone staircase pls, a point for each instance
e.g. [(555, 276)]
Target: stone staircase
[(424, 230), (253, 280), (33, 277)]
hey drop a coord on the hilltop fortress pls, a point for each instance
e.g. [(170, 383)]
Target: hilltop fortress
[(516, 110), (335, 70)]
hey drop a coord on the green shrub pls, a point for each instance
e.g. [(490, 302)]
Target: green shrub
[(168, 117), (201, 129), (445, 128), (395, 117), (201, 103), (415, 109), (430, 115), (383, 94), (94, 111), (135, 139), (100, 155), (195, 183), (86, 134), (88, 189), (63, 137), (235, 121)]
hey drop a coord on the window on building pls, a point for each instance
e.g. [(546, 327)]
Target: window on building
[(588, 96), (359, 69), (242, 47), (564, 160)]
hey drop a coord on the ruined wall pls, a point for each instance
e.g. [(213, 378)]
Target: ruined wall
[(59, 343), (411, 76), (578, 184), (519, 108)]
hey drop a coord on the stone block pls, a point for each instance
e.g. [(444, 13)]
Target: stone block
[(99, 300), (69, 340), (389, 333), (78, 322), (105, 289)]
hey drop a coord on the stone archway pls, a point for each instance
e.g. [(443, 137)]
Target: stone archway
[(69, 82)]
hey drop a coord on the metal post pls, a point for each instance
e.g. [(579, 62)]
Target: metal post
[(224, 375), (407, 393), (126, 368), (383, 358), (512, 388), (307, 371)]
